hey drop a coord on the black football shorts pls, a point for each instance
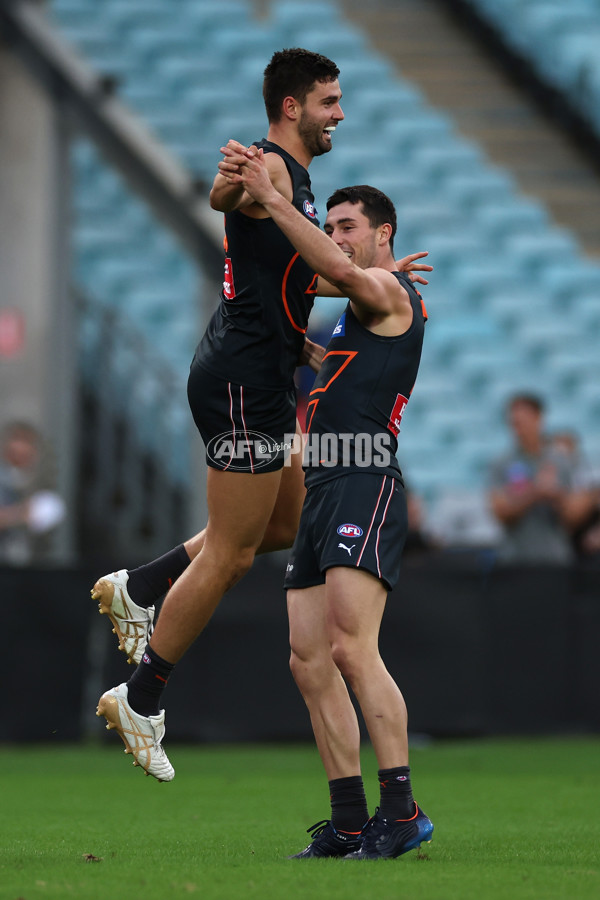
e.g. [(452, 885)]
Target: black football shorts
[(357, 520), (244, 429)]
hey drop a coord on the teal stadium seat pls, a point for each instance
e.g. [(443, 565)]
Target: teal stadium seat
[(480, 188), (452, 158), (236, 40), (373, 105), (510, 308), (536, 250), (475, 277), (543, 338), (289, 16), (408, 131), (341, 44), (364, 71), (513, 217), (568, 278), (212, 14)]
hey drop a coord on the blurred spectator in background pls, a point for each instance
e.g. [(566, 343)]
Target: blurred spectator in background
[(461, 519), (533, 491), (417, 541), (29, 507), (584, 506)]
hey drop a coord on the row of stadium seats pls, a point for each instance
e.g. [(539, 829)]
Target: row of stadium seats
[(561, 40), (512, 302)]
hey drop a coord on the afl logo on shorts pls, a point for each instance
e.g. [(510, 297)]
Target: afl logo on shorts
[(349, 531), (245, 451), (309, 209)]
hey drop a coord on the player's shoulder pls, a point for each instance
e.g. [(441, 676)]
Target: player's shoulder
[(279, 174), (392, 284), (384, 275), (274, 162)]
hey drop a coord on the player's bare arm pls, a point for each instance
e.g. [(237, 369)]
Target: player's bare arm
[(375, 290), (227, 195), (407, 264), (312, 355)]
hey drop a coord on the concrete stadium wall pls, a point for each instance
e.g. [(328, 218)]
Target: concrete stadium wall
[(37, 325), (475, 653)]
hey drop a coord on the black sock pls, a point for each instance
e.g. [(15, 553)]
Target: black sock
[(348, 804), (396, 793), (148, 583), (147, 683)]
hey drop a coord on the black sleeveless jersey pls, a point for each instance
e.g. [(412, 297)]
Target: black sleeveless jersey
[(355, 408), (255, 336)]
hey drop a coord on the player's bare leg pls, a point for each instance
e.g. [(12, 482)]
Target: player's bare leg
[(350, 616), (332, 714), (239, 509), (334, 723), (355, 602), (283, 524), (131, 610)]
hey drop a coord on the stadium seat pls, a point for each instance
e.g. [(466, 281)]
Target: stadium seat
[(585, 310), (294, 14), (148, 99), (569, 277), (341, 44), (214, 13), (235, 39), (514, 216), (150, 43), (437, 162), (366, 71), (543, 247), (408, 131), (452, 424), (544, 338), (510, 308), (190, 71), (202, 100), (349, 160), (589, 395), (475, 278), (432, 216), (434, 387), (375, 105), (120, 16), (575, 365), (481, 187), (446, 247)]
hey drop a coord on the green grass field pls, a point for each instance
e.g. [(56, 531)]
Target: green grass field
[(513, 819)]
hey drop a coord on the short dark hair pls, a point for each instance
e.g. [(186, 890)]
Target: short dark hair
[(531, 400), (377, 206), (293, 73)]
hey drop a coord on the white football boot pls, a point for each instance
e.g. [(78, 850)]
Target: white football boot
[(132, 624), (142, 735)]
